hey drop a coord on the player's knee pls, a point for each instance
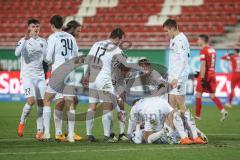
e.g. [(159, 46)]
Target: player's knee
[(92, 107), (60, 104), (31, 101)]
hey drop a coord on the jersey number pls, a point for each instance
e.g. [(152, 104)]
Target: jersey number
[(68, 45), (99, 55)]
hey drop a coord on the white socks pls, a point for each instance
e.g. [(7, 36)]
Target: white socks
[(178, 124), (71, 122), (89, 121), (106, 121), (122, 123), (58, 121), (191, 124), (39, 119), (46, 119), (26, 110)]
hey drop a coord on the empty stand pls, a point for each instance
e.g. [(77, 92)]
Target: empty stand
[(141, 19)]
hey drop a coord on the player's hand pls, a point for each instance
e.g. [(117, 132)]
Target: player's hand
[(174, 83), (121, 115), (204, 83), (79, 60), (27, 34)]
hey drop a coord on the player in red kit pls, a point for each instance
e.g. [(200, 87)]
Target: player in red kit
[(234, 58), (206, 80)]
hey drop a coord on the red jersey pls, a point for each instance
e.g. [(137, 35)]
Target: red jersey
[(208, 55), (235, 62)]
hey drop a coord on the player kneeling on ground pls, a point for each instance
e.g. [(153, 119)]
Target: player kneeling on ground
[(153, 116)]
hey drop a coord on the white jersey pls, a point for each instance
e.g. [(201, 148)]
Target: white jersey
[(32, 52), (146, 109), (62, 47), (102, 53), (178, 57)]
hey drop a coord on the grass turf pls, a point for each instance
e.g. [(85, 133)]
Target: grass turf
[(224, 140)]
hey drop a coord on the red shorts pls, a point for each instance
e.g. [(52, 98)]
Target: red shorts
[(211, 85)]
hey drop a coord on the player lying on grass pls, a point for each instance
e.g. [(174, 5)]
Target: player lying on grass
[(207, 78), (152, 113), (31, 50), (234, 59)]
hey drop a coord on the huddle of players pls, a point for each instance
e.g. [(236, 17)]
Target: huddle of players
[(62, 46)]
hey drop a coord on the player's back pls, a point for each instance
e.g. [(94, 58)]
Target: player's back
[(209, 55), (102, 54), (62, 47), (156, 105)]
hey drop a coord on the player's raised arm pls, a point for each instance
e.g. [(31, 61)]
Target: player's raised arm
[(20, 47)]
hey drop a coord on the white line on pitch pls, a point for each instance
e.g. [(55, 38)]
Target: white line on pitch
[(24, 139), (104, 150)]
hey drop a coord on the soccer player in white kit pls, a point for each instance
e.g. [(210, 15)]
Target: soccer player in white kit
[(74, 28), (153, 112), (178, 68), (62, 47), (101, 58), (31, 50)]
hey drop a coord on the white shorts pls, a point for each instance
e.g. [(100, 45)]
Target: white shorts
[(181, 86), (101, 92), (61, 95), (64, 89), (34, 87)]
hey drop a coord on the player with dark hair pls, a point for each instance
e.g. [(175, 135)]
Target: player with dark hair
[(31, 50), (234, 59), (62, 47), (74, 28), (101, 59), (207, 78), (178, 68)]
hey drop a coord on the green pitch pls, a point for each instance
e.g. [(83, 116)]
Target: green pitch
[(224, 140)]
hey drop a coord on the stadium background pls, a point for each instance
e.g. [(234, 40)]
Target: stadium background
[(141, 19)]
